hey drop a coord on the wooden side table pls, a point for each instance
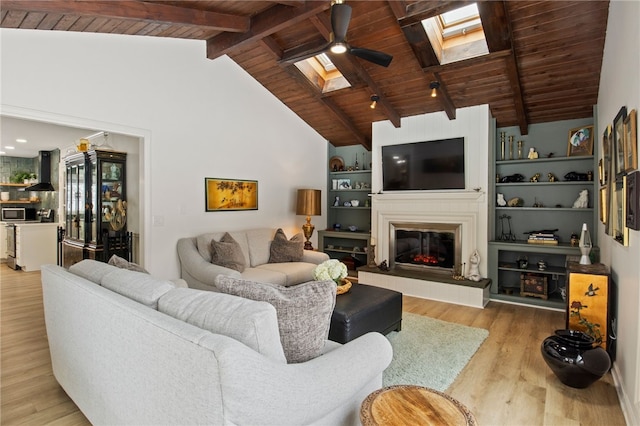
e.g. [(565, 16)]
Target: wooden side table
[(413, 405)]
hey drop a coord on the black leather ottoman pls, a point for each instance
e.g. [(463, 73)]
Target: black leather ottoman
[(363, 309)]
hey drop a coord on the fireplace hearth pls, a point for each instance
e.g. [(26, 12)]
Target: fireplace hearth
[(433, 247)]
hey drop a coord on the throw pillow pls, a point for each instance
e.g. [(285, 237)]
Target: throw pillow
[(304, 312), (283, 250), (120, 262), (227, 253)]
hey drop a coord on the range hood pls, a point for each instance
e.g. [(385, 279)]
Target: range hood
[(44, 173)]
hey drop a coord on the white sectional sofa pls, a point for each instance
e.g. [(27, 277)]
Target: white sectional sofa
[(198, 271), (120, 351)]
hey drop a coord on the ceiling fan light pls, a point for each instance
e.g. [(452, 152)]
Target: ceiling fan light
[(434, 86), (338, 48), (374, 101)]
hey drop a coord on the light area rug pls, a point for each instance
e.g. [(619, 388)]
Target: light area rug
[(429, 352)]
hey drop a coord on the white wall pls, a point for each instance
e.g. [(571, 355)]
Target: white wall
[(472, 123), (197, 118), (619, 86)]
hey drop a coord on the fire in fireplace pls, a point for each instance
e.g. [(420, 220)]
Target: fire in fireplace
[(428, 246)]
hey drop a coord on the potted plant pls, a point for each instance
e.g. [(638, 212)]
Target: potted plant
[(20, 176)]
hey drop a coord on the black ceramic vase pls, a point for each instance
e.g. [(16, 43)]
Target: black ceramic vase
[(573, 357)]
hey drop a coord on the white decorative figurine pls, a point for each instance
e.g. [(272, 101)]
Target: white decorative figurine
[(501, 200), (532, 154), (583, 200), (474, 267)]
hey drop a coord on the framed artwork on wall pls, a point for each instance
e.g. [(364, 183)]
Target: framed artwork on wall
[(630, 142), (580, 141), (606, 156), (230, 195), (618, 141), (633, 201), (604, 204)]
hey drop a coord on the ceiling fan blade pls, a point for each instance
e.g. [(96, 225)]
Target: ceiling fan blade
[(378, 58), (340, 17), (304, 52)]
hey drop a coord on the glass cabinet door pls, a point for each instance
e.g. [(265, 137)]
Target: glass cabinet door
[(93, 205)]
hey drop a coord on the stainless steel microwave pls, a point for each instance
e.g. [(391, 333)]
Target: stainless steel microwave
[(12, 214)]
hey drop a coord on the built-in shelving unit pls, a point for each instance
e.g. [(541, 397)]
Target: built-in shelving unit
[(348, 227), (547, 205)]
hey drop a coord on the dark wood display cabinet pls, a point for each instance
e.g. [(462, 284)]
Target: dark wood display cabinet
[(95, 207)]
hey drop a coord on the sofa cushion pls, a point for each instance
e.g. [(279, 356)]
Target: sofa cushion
[(138, 286), (283, 250), (91, 270), (227, 253), (123, 263), (266, 275), (304, 312), (253, 323), (259, 241), (293, 272)]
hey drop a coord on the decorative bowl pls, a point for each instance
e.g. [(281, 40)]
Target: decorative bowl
[(355, 203)]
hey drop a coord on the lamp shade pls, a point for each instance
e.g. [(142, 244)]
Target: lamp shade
[(309, 202)]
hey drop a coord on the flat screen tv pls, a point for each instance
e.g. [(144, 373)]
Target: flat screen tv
[(423, 166)]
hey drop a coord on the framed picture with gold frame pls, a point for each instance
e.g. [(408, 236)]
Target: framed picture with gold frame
[(618, 143), (630, 142), (580, 141), (605, 161), (230, 194), (604, 199), (633, 200)]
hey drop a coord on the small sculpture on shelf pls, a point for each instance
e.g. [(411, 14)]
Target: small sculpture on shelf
[(501, 201), (532, 154), (582, 202), (552, 177), (535, 178), (517, 177), (474, 267), (383, 266), (515, 202), (573, 176), (336, 202)]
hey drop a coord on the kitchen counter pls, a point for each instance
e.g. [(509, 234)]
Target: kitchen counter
[(36, 244), (28, 223)]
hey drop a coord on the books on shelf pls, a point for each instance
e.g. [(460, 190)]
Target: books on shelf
[(543, 238)]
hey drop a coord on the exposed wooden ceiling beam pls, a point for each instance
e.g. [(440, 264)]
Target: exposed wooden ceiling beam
[(264, 24), (136, 10), (443, 97), (330, 106), (497, 30), (421, 10)]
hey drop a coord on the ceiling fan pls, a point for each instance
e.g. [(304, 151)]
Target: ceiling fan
[(340, 17)]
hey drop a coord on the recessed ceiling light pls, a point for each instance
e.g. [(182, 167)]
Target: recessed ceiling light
[(21, 140), (9, 147)]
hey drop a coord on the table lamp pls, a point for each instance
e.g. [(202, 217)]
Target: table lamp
[(585, 245), (308, 204)]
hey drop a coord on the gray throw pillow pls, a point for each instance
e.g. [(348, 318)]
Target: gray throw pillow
[(304, 312), (120, 262), (228, 253), (283, 250)]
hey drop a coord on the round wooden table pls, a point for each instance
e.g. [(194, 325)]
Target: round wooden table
[(413, 405)]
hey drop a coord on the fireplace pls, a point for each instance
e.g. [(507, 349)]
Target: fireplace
[(433, 247)]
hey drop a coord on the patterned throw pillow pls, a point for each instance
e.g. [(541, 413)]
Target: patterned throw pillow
[(283, 250), (304, 312), (227, 253), (120, 262)]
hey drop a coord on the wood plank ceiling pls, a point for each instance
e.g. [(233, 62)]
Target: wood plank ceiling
[(543, 64)]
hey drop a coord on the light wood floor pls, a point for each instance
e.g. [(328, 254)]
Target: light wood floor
[(505, 383)]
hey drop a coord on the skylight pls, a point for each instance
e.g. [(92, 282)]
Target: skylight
[(457, 35), (322, 73)]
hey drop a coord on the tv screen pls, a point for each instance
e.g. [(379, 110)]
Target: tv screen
[(420, 166)]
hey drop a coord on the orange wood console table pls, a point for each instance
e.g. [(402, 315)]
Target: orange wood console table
[(413, 405)]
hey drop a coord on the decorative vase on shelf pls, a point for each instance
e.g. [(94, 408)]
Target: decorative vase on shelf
[(574, 358)]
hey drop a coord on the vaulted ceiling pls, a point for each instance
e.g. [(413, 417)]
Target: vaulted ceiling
[(543, 64)]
